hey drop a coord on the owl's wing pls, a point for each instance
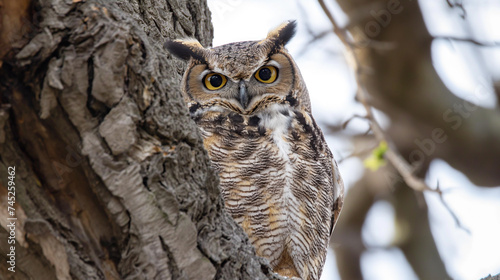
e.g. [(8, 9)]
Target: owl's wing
[(338, 190)]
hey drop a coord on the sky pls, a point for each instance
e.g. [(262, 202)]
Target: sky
[(466, 70)]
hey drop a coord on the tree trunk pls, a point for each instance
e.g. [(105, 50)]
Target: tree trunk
[(111, 178)]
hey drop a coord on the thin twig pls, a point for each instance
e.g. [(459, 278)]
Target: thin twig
[(343, 36), (467, 40), (314, 36), (458, 5), (341, 33), (358, 154), (355, 116), (453, 215)]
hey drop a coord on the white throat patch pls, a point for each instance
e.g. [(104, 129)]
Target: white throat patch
[(273, 119)]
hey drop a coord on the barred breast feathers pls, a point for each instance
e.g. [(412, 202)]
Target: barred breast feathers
[(293, 166)]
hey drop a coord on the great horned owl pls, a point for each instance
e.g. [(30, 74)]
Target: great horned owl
[(278, 178)]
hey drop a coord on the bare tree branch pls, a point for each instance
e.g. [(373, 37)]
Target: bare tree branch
[(397, 160), (400, 164), (421, 103)]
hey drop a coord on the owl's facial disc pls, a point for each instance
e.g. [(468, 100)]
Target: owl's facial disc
[(248, 91)]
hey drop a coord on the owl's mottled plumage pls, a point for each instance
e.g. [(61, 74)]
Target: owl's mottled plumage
[(278, 178)]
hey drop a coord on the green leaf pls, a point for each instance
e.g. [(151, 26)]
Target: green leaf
[(377, 157)]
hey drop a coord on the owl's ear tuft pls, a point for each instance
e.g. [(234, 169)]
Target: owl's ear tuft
[(186, 49), (280, 36)]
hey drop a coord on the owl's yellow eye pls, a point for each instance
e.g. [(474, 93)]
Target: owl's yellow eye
[(214, 81), (266, 74)]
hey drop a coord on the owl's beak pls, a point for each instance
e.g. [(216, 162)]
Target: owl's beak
[(243, 97)]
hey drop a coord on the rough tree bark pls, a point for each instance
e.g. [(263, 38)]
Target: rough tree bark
[(111, 178)]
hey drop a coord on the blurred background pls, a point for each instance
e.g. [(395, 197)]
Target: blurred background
[(430, 70)]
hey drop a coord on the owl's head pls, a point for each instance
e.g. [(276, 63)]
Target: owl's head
[(244, 77)]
